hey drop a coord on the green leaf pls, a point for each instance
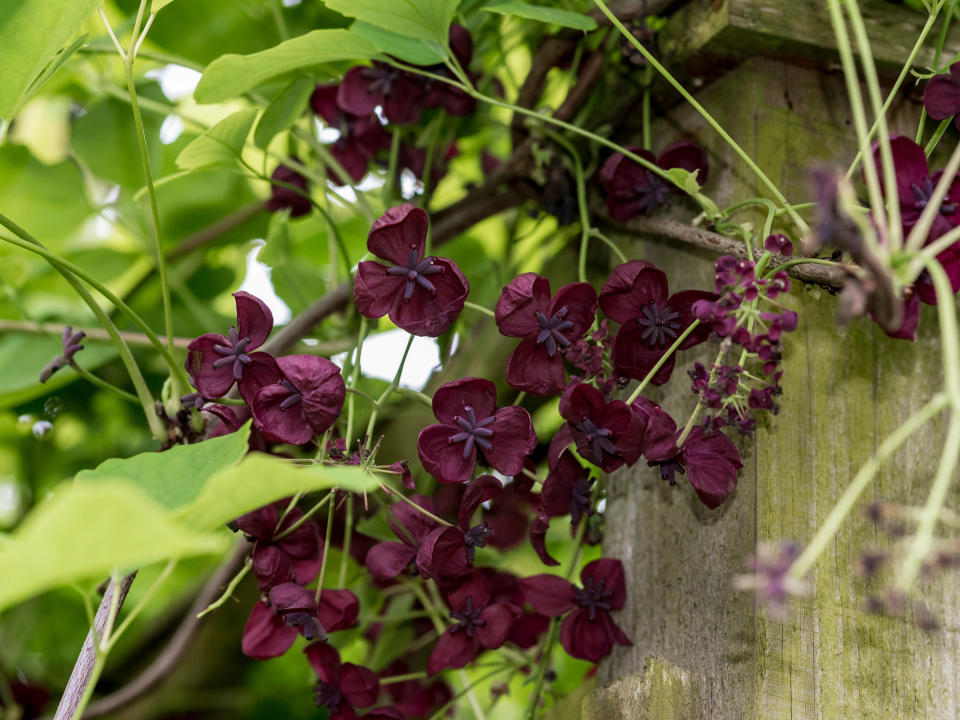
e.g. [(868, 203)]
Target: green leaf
[(221, 145), (86, 531), (31, 34), (685, 180), (262, 479), (554, 16), (58, 61), (232, 75), (176, 477), (421, 19), (159, 5), (417, 52), (283, 111)]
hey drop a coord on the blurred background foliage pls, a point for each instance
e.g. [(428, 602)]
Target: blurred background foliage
[(70, 173)]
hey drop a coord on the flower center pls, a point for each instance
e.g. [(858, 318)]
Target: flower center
[(552, 329), (293, 398), (669, 469), (469, 618), (381, 80), (580, 499), (652, 193), (660, 324), (416, 272), (593, 597), (598, 438), (474, 538), (328, 695), (922, 193), (233, 353), (302, 618), (475, 432)]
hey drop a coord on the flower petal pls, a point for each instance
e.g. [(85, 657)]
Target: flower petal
[(386, 560), (581, 302), (910, 164), (277, 423), (254, 319), (359, 685), (396, 232), (682, 302), (211, 382), (375, 292), (261, 372), (531, 369), (451, 398), (941, 96), (712, 463), (548, 594), (686, 155), (519, 301), (610, 571), (265, 636), (513, 439), (498, 620), (453, 650), (634, 358), (443, 554), (442, 459), (321, 385), (478, 491), (586, 639), (430, 315), (538, 539), (354, 95), (630, 287), (338, 609)]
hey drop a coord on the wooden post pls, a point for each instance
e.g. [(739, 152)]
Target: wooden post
[(700, 649)]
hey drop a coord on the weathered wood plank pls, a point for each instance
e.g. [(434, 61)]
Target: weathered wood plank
[(844, 391)]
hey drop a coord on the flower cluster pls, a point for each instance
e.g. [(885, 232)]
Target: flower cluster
[(479, 453)]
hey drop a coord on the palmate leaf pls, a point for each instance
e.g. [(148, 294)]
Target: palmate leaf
[(232, 75), (221, 145), (280, 114), (421, 19), (88, 530)]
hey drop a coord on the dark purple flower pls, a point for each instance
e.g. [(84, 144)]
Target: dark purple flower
[(631, 189), (447, 553), (472, 429), (709, 459), (289, 190), (566, 491), (341, 686), (399, 94), (440, 94), (547, 327), (637, 296), (70, 342), (769, 578), (413, 697), (216, 362), (361, 138), (588, 632), (941, 96), (778, 244), (386, 560), (480, 624), (273, 626), (305, 403), (509, 513), (294, 557), (915, 186), (606, 433), (422, 295)]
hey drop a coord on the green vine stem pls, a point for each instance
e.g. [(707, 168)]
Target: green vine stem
[(326, 551), (387, 392), (68, 271), (103, 384), (351, 370), (918, 235), (859, 118), (480, 309), (775, 191), (228, 592), (659, 364)]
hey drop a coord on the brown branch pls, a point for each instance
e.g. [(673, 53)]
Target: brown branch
[(828, 275), (214, 231), (35, 328), (83, 668)]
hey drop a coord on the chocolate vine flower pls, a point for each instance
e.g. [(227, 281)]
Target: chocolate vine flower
[(422, 295), (440, 94), (447, 553), (566, 491), (304, 404), (216, 362), (386, 560), (341, 686), (413, 697), (291, 609), (636, 296), (631, 189), (588, 632), (479, 625), (295, 557), (289, 190), (708, 458), (941, 96), (361, 137), (915, 186), (471, 430), (71, 346), (606, 433), (399, 94), (548, 327)]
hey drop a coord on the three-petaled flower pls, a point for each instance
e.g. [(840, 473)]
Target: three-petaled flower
[(472, 429), (636, 295), (606, 433), (422, 295), (216, 362), (588, 632), (525, 310)]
